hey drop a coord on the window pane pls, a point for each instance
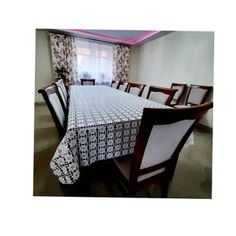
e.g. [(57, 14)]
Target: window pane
[(84, 51), (95, 61)]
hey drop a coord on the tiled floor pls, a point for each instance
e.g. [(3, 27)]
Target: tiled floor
[(192, 177)]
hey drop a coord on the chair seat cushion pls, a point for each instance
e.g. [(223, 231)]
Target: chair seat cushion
[(181, 106), (124, 164)]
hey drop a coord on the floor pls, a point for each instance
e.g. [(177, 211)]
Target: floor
[(192, 177)]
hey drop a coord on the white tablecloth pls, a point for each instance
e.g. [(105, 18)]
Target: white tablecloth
[(103, 123)]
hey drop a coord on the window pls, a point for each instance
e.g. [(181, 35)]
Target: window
[(95, 61)]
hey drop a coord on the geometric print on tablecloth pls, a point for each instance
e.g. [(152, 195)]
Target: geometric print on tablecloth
[(65, 161), (106, 142)]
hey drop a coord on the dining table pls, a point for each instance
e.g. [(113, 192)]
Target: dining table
[(103, 123)]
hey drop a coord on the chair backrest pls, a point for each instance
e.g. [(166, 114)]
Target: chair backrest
[(122, 86), (114, 84), (161, 95), (179, 94), (63, 93), (136, 89), (162, 135), (87, 81), (197, 94), (51, 97), (62, 83)]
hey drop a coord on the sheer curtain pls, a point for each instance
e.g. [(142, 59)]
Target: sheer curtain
[(94, 61)]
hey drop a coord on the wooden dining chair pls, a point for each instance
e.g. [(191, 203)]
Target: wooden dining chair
[(197, 94), (162, 135), (136, 89), (114, 84), (161, 95), (63, 92), (87, 81), (122, 86), (55, 106), (179, 93)]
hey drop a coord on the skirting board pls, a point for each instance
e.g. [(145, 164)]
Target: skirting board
[(204, 128), (39, 102)]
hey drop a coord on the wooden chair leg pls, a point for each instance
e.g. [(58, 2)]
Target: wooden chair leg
[(121, 187), (173, 168), (164, 189), (131, 191)]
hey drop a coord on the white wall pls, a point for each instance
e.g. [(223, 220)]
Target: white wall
[(184, 57), (43, 63)]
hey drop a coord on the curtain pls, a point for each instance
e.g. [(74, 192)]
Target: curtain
[(121, 63), (64, 57), (94, 61)]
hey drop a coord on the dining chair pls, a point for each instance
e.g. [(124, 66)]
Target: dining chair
[(114, 84), (179, 94), (162, 135), (87, 81), (161, 95), (55, 106), (136, 89), (63, 92), (197, 94), (122, 85)]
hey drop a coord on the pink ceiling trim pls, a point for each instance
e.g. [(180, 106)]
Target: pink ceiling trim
[(142, 37), (127, 41)]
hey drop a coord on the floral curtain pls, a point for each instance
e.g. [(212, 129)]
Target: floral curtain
[(121, 62), (64, 57)]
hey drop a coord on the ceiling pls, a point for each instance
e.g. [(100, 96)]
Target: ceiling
[(128, 37)]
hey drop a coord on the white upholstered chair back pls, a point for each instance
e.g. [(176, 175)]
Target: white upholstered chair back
[(123, 87), (196, 95), (62, 94), (115, 84), (134, 91), (178, 92), (57, 107), (87, 83), (158, 97), (162, 142), (64, 90)]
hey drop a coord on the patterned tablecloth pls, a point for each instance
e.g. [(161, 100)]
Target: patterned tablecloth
[(103, 123)]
